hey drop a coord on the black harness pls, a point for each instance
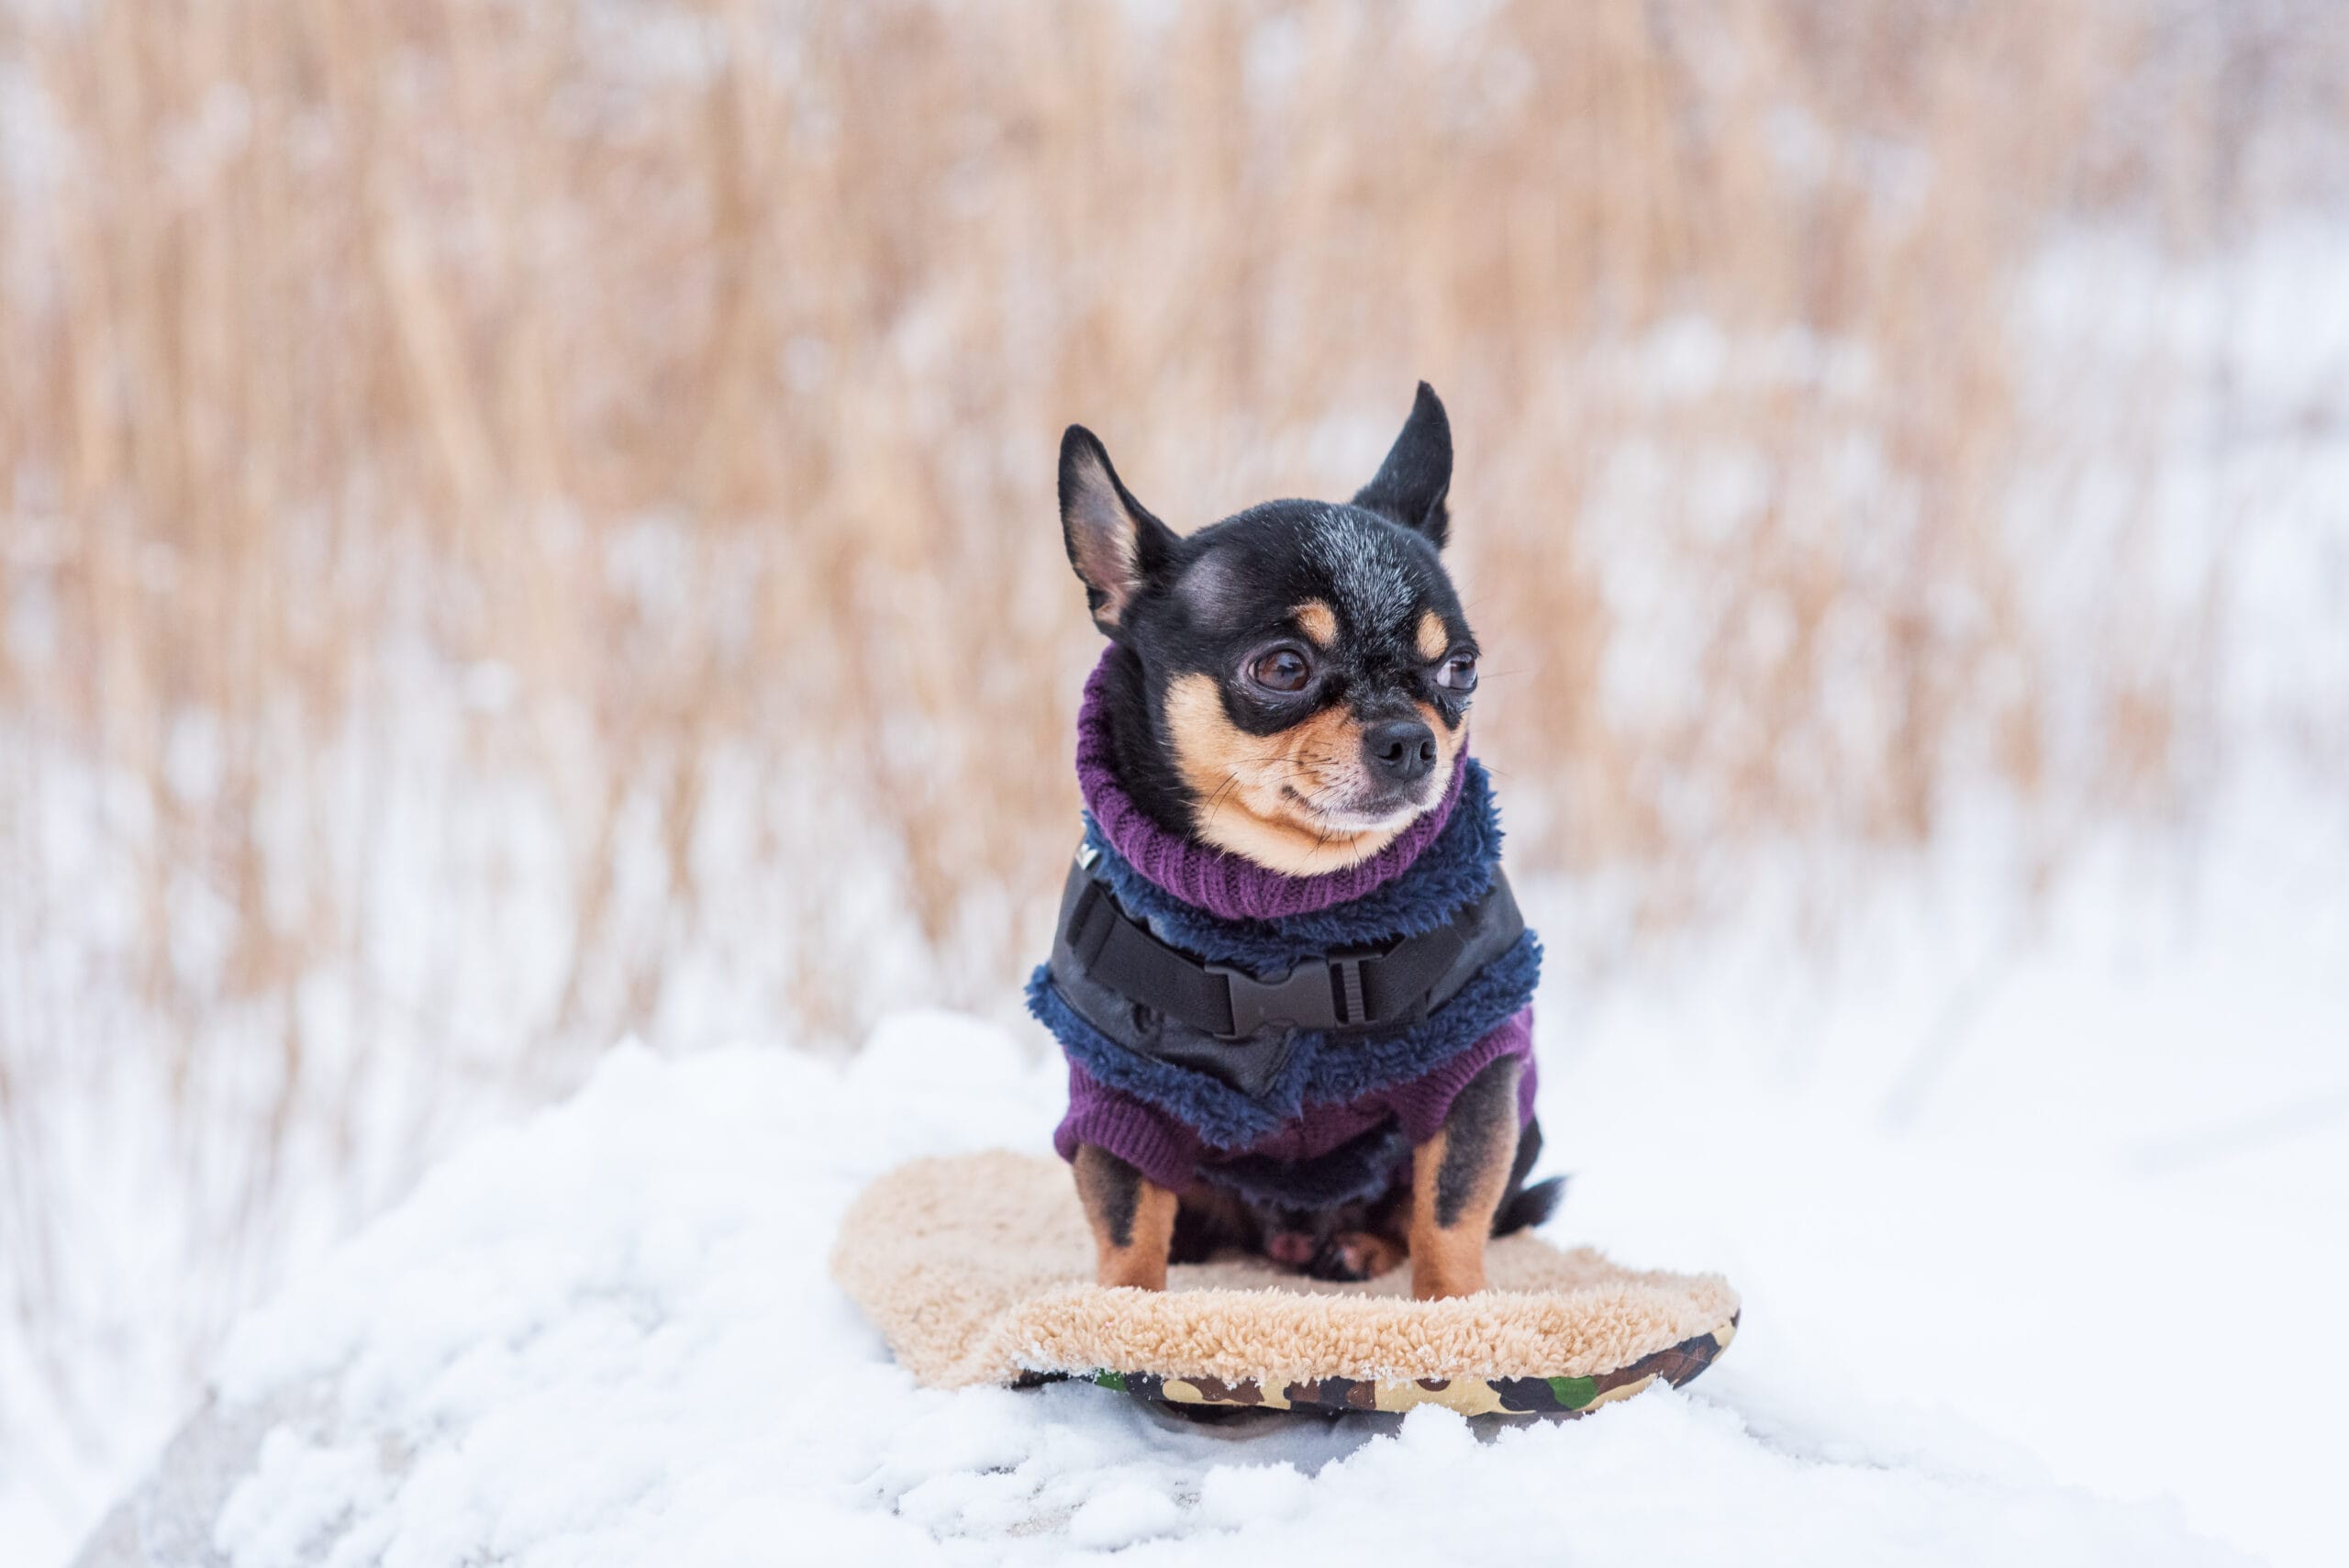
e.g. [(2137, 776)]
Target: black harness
[(1160, 1001)]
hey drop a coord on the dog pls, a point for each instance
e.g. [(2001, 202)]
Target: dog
[(1291, 982)]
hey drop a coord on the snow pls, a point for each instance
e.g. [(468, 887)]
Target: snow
[(299, 1493), (2063, 1294)]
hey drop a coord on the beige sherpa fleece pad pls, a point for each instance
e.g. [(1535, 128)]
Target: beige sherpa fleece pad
[(978, 1269)]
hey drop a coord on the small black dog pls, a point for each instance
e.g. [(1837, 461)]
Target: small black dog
[(1289, 977)]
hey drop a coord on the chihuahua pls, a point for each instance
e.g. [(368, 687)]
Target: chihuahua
[(1290, 980)]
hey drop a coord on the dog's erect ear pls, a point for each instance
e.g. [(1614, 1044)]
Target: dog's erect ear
[(1118, 547), (1416, 475)]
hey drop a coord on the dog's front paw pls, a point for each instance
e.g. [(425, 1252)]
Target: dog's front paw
[(1292, 1249), (1356, 1255)]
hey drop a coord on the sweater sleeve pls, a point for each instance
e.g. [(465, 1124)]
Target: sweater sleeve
[(1421, 1104), (1145, 1136)]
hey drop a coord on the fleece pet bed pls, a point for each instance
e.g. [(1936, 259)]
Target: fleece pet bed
[(978, 1269)]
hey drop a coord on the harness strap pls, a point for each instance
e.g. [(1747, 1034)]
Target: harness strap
[(1339, 991), (1125, 957)]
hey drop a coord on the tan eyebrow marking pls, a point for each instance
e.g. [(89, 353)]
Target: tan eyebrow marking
[(1433, 639), (1319, 621)]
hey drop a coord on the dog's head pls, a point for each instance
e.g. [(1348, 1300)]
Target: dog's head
[(1306, 665)]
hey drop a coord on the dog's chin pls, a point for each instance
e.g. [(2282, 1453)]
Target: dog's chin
[(1328, 839), (1301, 833), (1389, 816), (1299, 841)]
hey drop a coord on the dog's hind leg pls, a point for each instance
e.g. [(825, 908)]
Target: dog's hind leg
[(1208, 1220), (1369, 1239), (1458, 1178), (1133, 1219), (1357, 1255)]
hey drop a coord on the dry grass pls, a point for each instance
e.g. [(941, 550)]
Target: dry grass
[(535, 456)]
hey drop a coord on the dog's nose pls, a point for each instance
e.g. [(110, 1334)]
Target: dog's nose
[(1401, 749)]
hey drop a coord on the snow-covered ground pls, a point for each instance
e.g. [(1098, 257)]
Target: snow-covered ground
[(2034, 1209)]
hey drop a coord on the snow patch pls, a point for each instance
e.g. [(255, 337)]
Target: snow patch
[(607, 1336)]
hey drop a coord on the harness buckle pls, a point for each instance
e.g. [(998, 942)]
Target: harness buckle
[(1319, 994), (1300, 998)]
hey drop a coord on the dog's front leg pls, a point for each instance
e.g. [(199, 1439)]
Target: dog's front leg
[(1457, 1180), (1132, 1219)]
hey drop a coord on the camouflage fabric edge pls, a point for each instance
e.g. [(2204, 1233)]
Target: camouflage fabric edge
[(1556, 1397)]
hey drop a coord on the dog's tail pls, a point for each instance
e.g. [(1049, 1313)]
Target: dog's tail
[(1531, 1205), (1522, 1205)]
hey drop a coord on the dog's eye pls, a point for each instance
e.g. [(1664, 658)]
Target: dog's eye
[(1281, 669), (1459, 674)]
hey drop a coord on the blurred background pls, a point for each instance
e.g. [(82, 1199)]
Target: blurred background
[(526, 525)]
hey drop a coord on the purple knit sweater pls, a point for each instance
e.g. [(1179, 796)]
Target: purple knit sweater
[(1162, 1146)]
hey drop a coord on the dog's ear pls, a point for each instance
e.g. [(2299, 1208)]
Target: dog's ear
[(1118, 547), (1416, 475)]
